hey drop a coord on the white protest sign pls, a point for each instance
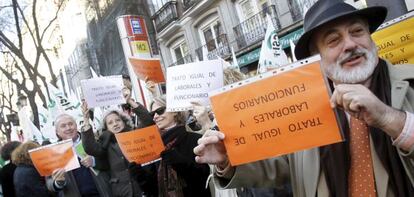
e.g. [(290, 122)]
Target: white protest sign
[(103, 91), (192, 82)]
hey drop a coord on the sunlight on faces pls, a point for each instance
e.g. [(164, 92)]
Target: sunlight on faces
[(165, 120), (348, 54), (66, 127), (355, 74), (114, 123)]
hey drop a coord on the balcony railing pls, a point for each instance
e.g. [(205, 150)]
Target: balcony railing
[(213, 48), (253, 29), (165, 15), (189, 3), (186, 59)]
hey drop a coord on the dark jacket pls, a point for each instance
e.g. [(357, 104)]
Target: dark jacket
[(181, 158), (6, 180), (106, 148), (29, 183), (71, 188)]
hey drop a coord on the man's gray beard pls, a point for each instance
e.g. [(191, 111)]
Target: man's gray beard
[(357, 74)]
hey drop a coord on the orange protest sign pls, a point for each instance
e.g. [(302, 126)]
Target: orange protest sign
[(149, 67), (277, 115), (141, 145), (48, 158)]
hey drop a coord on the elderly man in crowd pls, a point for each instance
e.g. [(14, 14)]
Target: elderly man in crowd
[(376, 106), (81, 181)]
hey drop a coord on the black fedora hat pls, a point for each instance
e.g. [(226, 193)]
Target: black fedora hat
[(324, 11)]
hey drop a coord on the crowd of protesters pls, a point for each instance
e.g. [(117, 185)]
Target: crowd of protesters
[(195, 161)]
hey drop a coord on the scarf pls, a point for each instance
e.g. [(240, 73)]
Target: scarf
[(335, 158), (169, 183)]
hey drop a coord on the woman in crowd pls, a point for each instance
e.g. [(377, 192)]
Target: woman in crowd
[(27, 181), (106, 148), (6, 173), (177, 174)]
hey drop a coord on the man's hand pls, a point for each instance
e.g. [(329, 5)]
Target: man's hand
[(87, 161), (360, 102), (58, 175), (211, 149)]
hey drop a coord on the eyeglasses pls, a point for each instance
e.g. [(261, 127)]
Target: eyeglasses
[(158, 111)]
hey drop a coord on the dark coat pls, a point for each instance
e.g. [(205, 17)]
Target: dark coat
[(181, 158), (71, 188), (29, 183), (106, 148), (6, 179)]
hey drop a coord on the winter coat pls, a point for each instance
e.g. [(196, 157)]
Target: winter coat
[(6, 179), (181, 158), (303, 167), (107, 148), (29, 183)]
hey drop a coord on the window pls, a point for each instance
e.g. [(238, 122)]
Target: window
[(247, 8), (211, 34), (179, 52)]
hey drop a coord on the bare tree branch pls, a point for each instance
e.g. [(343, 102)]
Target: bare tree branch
[(27, 25), (60, 5), (16, 19)]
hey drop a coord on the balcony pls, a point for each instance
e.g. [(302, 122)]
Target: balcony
[(253, 29), (186, 59), (213, 48), (165, 15), (189, 3)]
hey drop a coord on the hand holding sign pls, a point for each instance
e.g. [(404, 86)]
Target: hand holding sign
[(58, 175), (87, 161), (150, 85), (360, 102), (211, 149), (85, 112)]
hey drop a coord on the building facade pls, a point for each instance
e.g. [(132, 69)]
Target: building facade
[(97, 45), (188, 30), (103, 35)]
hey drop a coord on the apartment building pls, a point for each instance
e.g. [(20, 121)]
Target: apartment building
[(188, 30)]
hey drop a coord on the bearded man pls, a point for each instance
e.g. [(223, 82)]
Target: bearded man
[(376, 104)]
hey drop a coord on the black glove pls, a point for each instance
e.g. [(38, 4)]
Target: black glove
[(172, 156)]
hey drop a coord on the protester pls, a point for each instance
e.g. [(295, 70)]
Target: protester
[(177, 174), (206, 120), (27, 181), (6, 173), (107, 148), (367, 90), (81, 181)]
